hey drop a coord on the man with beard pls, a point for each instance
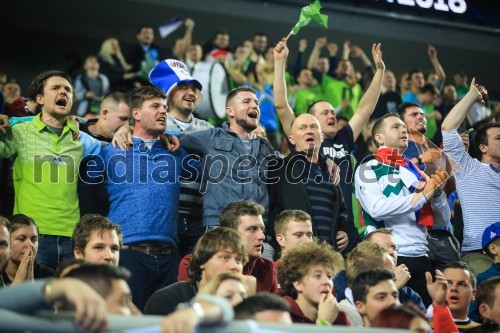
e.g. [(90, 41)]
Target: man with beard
[(233, 159), (183, 96), (392, 192)]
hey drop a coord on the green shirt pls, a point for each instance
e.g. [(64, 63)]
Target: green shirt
[(305, 97), (45, 174), (335, 91)]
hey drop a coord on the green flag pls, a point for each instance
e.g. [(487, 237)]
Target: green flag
[(310, 12)]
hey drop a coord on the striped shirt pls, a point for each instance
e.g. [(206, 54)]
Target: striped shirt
[(321, 196), (478, 187)]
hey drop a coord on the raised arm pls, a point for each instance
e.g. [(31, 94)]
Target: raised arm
[(283, 109), (457, 115), (314, 57), (431, 51), (370, 98), (188, 36)]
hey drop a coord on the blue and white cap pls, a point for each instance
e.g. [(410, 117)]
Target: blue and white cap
[(171, 72), (491, 233)]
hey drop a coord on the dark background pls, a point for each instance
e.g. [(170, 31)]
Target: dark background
[(41, 35)]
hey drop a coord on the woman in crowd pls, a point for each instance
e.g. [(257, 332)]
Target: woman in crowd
[(23, 249), (114, 65), (226, 285)]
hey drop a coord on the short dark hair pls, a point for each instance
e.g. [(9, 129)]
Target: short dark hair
[(259, 302), (232, 94), (481, 137), (259, 34), (230, 216), (406, 105), (310, 108), (379, 124), (89, 223), (465, 267), (144, 27), (486, 327), (139, 95), (485, 293), (38, 83), (19, 220), (414, 71), (210, 243), (66, 264), (429, 87), (364, 281), (99, 276), (281, 221)]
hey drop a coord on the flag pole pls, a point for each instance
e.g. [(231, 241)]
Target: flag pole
[(289, 34)]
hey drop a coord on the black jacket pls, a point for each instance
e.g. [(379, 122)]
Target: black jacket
[(287, 190), (166, 300)]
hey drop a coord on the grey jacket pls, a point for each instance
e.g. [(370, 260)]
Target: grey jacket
[(229, 173)]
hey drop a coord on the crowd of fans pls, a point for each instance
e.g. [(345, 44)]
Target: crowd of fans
[(360, 199)]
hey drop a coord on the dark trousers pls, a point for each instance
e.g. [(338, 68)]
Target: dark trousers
[(189, 230), (52, 250), (149, 273), (418, 266)]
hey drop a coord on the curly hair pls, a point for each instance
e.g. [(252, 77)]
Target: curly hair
[(210, 243), (295, 264)]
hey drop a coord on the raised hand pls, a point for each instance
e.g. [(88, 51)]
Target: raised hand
[(431, 156), (302, 45), (280, 52), (431, 51), (437, 289), (25, 271), (434, 182), (477, 90), (377, 56), (402, 275), (320, 42)]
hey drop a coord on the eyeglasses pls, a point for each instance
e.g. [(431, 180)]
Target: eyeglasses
[(395, 248)]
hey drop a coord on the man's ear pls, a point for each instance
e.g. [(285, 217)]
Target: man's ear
[(483, 148), (298, 286), (291, 139), (230, 111), (39, 99), (78, 253), (379, 138), (484, 311), (104, 113), (280, 239), (474, 294), (136, 114), (360, 306)]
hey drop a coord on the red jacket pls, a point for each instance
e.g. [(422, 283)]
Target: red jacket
[(299, 317), (262, 269)]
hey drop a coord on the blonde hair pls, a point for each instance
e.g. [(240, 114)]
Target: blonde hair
[(211, 287), (106, 53)]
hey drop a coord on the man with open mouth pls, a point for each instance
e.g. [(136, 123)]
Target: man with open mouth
[(47, 152), (392, 192), (234, 160)]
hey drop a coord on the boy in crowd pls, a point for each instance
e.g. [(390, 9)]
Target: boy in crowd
[(98, 240), (306, 278), (217, 251)]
